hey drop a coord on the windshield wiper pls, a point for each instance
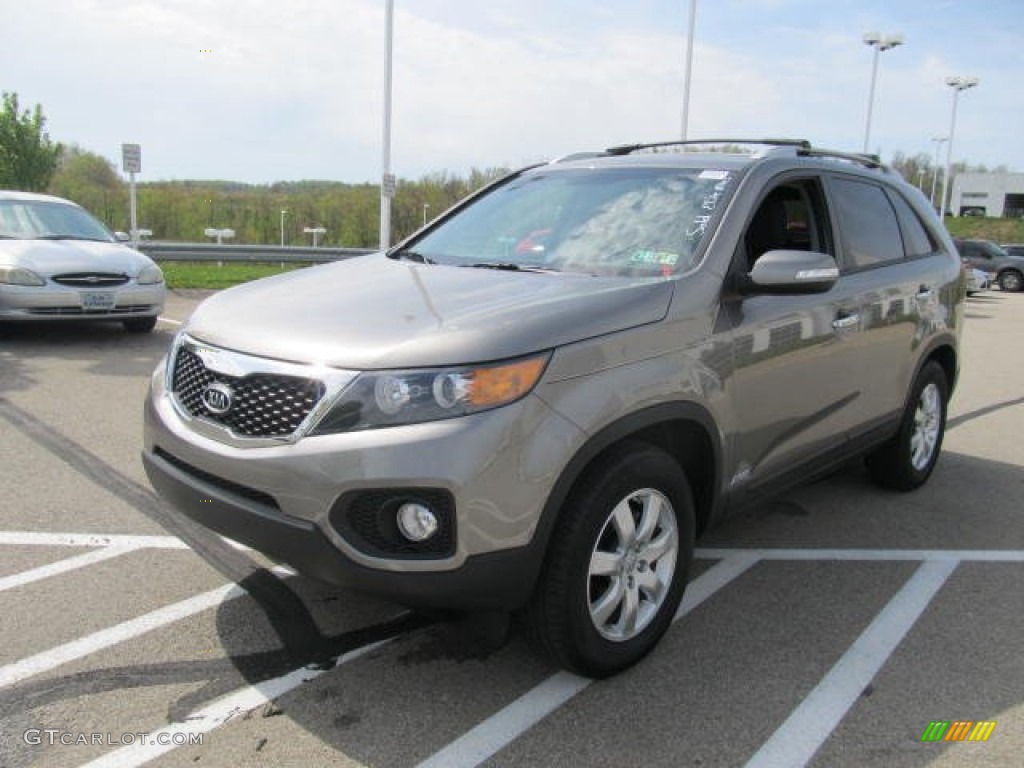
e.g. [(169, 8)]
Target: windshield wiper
[(416, 256), (509, 266)]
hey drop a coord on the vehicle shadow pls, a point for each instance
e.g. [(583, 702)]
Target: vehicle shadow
[(105, 349)]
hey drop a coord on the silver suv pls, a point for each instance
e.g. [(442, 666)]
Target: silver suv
[(536, 403)]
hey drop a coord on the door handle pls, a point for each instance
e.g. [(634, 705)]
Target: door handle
[(846, 322)]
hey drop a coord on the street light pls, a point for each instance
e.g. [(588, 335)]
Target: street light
[(957, 84), (689, 68), (283, 214), (314, 231), (387, 180), (426, 206), (935, 172), (879, 43)]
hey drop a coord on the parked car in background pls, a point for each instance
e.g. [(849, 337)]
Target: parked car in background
[(1005, 270), (536, 403), (977, 281), (58, 262), (1014, 249)]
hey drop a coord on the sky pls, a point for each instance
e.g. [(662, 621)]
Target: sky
[(259, 91)]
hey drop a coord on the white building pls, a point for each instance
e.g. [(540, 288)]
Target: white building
[(988, 194)]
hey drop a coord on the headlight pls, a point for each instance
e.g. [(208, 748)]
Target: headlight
[(20, 276), (391, 398), (150, 275)]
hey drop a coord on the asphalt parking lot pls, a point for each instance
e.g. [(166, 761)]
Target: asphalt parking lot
[(829, 627)]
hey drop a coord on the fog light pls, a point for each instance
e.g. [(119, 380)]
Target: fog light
[(416, 521)]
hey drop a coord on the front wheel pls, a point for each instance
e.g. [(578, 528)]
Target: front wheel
[(618, 563), (139, 324), (907, 460)]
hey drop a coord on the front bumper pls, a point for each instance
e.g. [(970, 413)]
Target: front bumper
[(498, 468), (57, 302)]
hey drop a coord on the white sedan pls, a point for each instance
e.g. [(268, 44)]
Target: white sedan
[(977, 280), (57, 262)]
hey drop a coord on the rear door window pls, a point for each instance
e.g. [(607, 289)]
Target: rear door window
[(868, 228)]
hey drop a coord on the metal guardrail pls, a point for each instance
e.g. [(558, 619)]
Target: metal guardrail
[(246, 253)]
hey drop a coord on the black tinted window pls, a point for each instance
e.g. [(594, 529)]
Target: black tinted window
[(916, 239), (869, 229)]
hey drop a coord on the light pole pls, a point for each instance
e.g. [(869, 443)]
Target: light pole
[(935, 172), (283, 214), (879, 43), (314, 231), (426, 206), (957, 84), (387, 181), (689, 68)]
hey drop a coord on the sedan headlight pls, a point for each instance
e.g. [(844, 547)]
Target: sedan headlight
[(150, 275), (392, 398), (20, 276)]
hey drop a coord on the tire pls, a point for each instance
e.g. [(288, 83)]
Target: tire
[(139, 324), (907, 460), (1011, 280), (617, 564)]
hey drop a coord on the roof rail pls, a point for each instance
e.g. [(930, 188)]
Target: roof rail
[(626, 149), (578, 156), (868, 161)]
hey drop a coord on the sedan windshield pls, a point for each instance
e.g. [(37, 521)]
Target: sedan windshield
[(633, 222), (44, 220)]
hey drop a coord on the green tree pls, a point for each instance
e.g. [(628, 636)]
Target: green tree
[(91, 181), (28, 158)]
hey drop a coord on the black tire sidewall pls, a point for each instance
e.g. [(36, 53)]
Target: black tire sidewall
[(930, 374), (634, 470)]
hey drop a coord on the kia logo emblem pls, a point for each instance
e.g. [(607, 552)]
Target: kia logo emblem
[(218, 398)]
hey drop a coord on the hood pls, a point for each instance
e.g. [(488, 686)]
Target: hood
[(372, 312), (53, 257)]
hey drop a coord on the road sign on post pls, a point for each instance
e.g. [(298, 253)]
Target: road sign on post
[(131, 158), (388, 185), (131, 161)]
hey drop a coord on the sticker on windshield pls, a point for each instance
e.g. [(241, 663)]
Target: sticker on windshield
[(708, 204), (713, 175), (662, 258)]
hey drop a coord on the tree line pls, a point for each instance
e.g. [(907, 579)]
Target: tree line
[(181, 211)]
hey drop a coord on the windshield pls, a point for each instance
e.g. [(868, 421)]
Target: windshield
[(42, 220), (634, 222)]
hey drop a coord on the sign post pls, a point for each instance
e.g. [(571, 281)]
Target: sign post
[(131, 161)]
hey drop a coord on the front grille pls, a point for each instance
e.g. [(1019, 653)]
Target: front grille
[(261, 404), (127, 309), (91, 279)]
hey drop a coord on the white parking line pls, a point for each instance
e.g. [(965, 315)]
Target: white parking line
[(42, 539), (65, 565), (890, 555), (494, 733), (105, 638), (807, 727), (217, 714), (163, 319)]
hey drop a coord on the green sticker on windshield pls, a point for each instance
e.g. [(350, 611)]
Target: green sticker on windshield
[(663, 258)]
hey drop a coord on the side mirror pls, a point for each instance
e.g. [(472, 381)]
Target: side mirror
[(122, 237), (792, 272)]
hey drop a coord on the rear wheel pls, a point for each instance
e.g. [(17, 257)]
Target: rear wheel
[(139, 324), (618, 563), (907, 460)]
